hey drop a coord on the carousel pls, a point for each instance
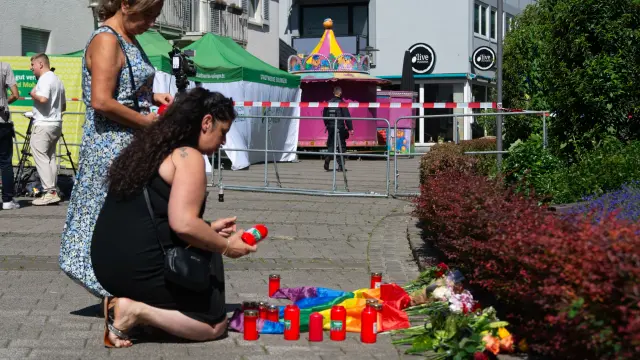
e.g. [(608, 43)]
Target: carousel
[(326, 67)]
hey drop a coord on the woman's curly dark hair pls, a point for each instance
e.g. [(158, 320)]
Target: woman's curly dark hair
[(179, 126)]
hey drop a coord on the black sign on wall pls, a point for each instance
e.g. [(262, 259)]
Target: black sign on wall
[(423, 58), (484, 58)]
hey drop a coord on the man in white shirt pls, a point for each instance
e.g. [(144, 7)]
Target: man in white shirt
[(48, 104)]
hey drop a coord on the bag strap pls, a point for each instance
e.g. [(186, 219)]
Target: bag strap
[(131, 78), (153, 218)]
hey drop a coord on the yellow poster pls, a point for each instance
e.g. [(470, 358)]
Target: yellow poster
[(69, 70)]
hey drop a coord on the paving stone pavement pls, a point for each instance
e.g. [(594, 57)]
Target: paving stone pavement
[(331, 242)]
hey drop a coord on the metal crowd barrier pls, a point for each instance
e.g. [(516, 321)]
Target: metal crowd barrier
[(456, 139), (303, 191)]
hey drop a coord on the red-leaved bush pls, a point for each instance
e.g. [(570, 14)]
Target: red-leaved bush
[(571, 288)]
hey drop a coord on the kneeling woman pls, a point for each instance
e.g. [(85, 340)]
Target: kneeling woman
[(164, 164)]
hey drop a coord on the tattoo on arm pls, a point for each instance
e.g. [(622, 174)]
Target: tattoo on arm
[(183, 153)]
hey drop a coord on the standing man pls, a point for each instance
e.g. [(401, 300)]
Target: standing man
[(48, 104), (329, 115), (7, 81)]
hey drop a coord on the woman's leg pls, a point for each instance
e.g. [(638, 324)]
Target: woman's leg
[(131, 313)]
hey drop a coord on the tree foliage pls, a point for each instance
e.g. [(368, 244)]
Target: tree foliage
[(581, 60)]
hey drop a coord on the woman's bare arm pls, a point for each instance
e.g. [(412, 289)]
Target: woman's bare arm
[(185, 201), (104, 60)]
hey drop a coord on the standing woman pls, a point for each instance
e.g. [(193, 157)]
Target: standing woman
[(117, 81)]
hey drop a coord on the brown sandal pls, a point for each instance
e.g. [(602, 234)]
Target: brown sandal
[(110, 305)]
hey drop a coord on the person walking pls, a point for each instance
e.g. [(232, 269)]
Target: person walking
[(49, 103), (117, 82), (345, 128), (7, 81)]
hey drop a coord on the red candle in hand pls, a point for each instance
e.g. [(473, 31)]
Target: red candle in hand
[(255, 234), (250, 325), (315, 327), (291, 322), (162, 108), (274, 284)]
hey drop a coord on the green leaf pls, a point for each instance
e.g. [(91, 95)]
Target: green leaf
[(498, 324)]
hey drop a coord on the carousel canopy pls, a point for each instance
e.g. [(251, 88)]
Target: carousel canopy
[(327, 62)]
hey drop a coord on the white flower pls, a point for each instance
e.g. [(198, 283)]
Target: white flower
[(442, 293)]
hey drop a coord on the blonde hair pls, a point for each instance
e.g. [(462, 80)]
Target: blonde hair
[(43, 56), (108, 8)]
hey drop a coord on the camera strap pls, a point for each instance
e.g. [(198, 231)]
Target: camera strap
[(131, 78)]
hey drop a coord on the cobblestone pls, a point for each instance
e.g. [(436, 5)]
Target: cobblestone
[(314, 241)]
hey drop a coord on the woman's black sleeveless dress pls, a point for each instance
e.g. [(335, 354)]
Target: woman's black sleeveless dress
[(128, 261)]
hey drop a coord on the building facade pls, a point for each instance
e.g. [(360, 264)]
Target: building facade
[(44, 26), (443, 37), (254, 24)]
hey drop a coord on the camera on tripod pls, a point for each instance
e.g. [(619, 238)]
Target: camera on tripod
[(182, 67)]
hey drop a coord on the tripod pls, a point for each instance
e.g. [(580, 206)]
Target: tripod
[(23, 176)]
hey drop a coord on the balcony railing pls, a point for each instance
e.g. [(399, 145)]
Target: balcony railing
[(192, 17), (224, 22), (176, 16)]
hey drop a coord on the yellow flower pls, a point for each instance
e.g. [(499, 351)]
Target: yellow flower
[(523, 346), (503, 333)]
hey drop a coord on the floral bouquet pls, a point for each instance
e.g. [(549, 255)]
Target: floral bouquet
[(455, 325)]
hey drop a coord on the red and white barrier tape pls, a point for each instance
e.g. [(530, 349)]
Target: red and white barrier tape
[(351, 105)]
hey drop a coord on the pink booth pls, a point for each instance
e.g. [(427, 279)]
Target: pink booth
[(327, 66)]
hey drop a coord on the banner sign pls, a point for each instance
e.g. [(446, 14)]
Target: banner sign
[(69, 70)]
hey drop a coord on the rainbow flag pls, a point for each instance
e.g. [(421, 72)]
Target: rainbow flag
[(316, 299)]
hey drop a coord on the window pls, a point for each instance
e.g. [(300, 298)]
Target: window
[(34, 40), (480, 24), (494, 24), (508, 23), (257, 10), (348, 20)]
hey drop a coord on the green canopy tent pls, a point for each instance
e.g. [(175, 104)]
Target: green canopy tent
[(220, 59), (155, 46), (223, 65)]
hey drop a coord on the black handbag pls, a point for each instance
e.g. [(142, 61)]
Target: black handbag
[(182, 266)]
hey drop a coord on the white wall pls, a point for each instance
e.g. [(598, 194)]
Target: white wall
[(263, 40), (444, 25), (69, 21)]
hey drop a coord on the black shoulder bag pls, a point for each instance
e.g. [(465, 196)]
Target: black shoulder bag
[(182, 266)]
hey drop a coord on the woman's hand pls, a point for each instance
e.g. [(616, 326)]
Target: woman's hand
[(237, 247), (151, 118), (224, 227), (162, 98)]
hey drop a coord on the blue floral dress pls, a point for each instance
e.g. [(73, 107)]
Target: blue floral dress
[(102, 141)]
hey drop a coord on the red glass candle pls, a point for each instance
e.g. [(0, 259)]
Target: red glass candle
[(250, 325), (338, 323), (262, 309), (315, 327), (255, 234), (249, 305), (274, 284), (272, 313), (368, 328), (376, 280), (291, 322)]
